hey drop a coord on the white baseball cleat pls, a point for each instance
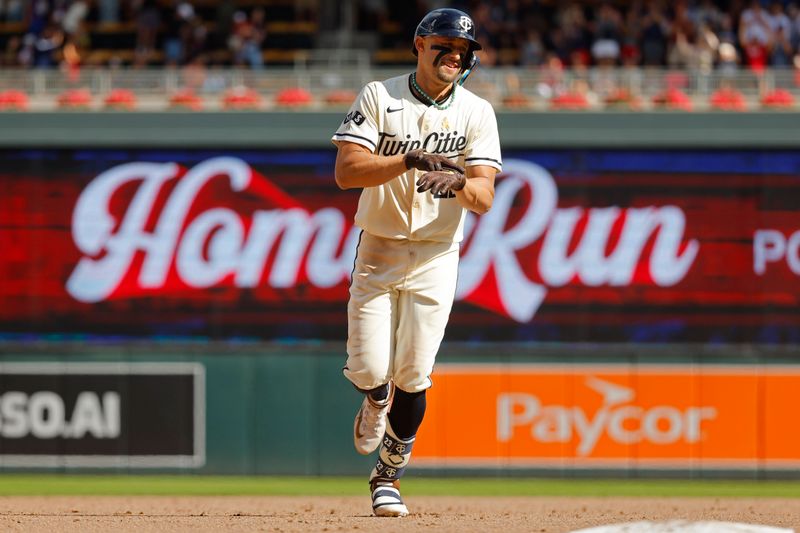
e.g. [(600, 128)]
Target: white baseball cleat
[(386, 500), (370, 423)]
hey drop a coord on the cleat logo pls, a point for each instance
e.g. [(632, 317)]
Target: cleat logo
[(359, 433), (400, 448), (390, 472)]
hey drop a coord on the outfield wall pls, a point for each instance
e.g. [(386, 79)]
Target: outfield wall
[(559, 410), (174, 287)]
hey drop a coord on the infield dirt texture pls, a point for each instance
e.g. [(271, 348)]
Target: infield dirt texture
[(352, 513)]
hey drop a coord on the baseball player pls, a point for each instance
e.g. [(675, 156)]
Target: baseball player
[(424, 149)]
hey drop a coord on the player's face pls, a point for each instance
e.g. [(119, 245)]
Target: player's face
[(442, 57)]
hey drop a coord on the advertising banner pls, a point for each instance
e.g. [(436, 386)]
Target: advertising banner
[(615, 416), (102, 415), (580, 245)]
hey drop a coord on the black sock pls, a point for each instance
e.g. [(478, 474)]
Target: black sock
[(379, 394), (408, 409)]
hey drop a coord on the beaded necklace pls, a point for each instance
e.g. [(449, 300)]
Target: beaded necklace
[(433, 102)]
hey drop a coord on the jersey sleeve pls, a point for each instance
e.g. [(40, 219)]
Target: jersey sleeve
[(483, 140), (360, 124)]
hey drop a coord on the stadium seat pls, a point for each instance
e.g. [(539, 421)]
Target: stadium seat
[(673, 99), (119, 36), (290, 26), (676, 79), (508, 56), (779, 98), (105, 56), (186, 99), (293, 97), (8, 29), (341, 96), (123, 99), (517, 100), (290, 34), (390, 33), (569, 101), (13, 100), (75, 99), (394, 56), (623, 99), (727, 99), (280, 56), (238, 98)]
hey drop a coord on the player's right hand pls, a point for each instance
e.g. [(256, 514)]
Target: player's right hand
[(441, 182), (421, 160)]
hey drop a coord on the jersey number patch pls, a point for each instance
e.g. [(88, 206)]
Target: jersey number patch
[(355, 116)]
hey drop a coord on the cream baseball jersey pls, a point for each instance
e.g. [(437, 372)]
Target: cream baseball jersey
[(388, 119)]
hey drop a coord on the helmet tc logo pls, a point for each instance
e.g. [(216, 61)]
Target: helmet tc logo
[(465, 23)]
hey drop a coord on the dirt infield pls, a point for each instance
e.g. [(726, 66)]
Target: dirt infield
[(285, 514)]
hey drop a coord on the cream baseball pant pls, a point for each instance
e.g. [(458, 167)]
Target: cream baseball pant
[(401, 295)]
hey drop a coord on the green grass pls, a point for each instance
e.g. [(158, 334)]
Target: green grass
[(46, 484)]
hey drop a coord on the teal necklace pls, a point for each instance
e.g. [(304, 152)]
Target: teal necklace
[(433, 102)]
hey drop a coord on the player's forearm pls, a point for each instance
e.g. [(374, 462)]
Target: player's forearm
[(364, 169), (477, 195)]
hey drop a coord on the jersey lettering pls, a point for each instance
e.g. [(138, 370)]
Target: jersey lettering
[(435, 143)]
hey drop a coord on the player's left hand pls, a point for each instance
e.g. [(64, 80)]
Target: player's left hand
[(441, 182)]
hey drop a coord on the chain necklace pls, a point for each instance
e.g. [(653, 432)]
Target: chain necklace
[(433, 102)]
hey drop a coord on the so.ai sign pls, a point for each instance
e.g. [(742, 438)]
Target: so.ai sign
[(287, 244)]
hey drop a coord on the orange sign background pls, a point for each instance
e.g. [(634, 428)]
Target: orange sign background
[(671, 416)]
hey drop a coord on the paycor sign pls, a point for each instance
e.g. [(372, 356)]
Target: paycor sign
[(612, 415), (619, 419)]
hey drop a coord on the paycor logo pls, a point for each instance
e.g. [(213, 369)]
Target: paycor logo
[(619, 419), (43, 415)]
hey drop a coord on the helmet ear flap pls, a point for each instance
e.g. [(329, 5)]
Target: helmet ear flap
[(470, 62)]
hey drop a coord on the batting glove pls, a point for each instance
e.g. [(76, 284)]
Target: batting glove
[(441, 182)]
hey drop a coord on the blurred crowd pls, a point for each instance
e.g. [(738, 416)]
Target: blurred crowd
[(169, 32), (689, 34), (701, 34)]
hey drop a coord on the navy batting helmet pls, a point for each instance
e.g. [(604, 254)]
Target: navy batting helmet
[(448, 22)]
